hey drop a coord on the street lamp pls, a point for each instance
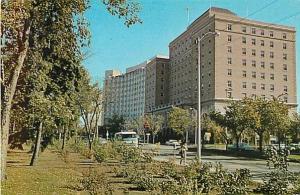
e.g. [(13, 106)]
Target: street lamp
[(199, 91)]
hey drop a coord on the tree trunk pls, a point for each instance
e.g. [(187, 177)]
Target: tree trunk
[(237, 143), (90, 142), (8, 97), (153, 138), (261, 138), (37, 145), (64, 138)]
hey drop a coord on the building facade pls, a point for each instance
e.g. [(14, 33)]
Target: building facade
[(125, 93), (248, 59), (157, 83)]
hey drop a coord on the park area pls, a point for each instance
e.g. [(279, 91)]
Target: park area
[(114, 168)]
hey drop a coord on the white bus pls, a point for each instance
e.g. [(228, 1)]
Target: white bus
[(128, 137)]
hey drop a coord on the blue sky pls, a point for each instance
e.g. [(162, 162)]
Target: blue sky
[(114, 46)]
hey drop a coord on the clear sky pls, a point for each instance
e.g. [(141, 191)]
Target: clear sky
[(114, 46)]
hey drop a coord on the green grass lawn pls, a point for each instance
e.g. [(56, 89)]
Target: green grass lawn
[(295, 156), (53, 175)]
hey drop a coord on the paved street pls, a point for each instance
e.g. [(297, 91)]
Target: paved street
[(256, 166)]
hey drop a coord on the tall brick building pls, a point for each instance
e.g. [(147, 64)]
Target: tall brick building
[(249, 58)]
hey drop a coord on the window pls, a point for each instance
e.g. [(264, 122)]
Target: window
[(229, 72), (253, 63), (285, 99), (229, 94), (253, 85), (284, 45), (262, 32), (271, 34), (229, 49), (244, 29), (285, 77), (272, 65), (262, 64), (253, 30), (285, 67), (244, 85), (244, 40), (262, 75), (253, 52), (244, 94), (253, 74), (244, 51), (285, 56), (253, 41), (262, 86), (244, 73), (229, 38), (229, 83), (285, 89), (262, 54), (229, 61), (271, 54), (272, 76), (272, 87), (262, 43), (244, 62), (229, 27), (271, 44), (284, 35)]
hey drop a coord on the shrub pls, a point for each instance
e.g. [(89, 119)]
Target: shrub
[(96, 182), (278, 180), (232, 182)]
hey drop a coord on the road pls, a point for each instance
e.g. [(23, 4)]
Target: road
[(256, 166)]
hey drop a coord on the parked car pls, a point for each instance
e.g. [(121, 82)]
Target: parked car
[(173, 142), (242, 146)]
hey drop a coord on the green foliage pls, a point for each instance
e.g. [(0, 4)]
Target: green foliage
[(96, 182), (155, 123), (115, 123), (232, 182), (280, 179), (180, 120)]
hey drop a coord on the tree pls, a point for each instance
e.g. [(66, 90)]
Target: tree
[(220, 130), (180, 120), (23, 22), (294, 131), (89, 100), (137, 124), (155, 123), (115, 123)]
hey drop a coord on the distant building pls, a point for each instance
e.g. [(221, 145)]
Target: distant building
[(157, 83), (124, 94)]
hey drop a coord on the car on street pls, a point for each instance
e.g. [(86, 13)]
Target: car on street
[(242, 147), (173, 142), (128, 137)]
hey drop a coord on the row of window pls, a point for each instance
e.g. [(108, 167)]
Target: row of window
[(262, 75), (254, 31), (262, 53), (229, 95)]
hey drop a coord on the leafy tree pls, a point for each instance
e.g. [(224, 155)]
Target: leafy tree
[(115, 123), (89, 100), (235, 120), (137, 124), (180, 120), (295, 128), (220, 131), (60, 28), (155, 123)]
